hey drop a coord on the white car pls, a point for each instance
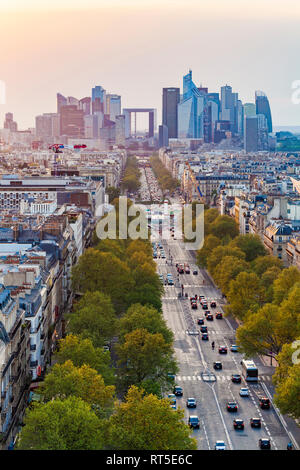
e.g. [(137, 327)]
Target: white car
[(244, 392), (220, 445)]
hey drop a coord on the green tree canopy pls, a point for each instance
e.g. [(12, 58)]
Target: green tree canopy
[(82, 352), (250, 244), (245, 294), (147, 317), (68, 424), (112, 193), (218, 253), (93, 318), (227, 270), (267, 281), (210, 242), (103, 272), (262, 263), (260, 333), (146, 294), (224, 226), (147, 423), (285, 281), (83, 382), (287, 393), (142, 356)]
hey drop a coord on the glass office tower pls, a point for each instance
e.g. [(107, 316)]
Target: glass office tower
[(190, 110), (171, 98), (263, 107)]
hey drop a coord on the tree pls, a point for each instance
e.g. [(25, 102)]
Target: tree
[(139, 246), (112, 193), (284, 360), (146, 294), (245, 294), (103, 272), (224, 226), (66, 380), (68, 424), (82, 352), (262, 263), (267, 281), (210, 242), (115, 247), (147, 317), (147, 423), (143, 355), (260, 333), (290, 315), (228, 269), (285, 281), (93, 318), (288, 391), (250, 244), (218, 253)]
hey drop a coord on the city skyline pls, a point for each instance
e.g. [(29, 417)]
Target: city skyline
[(117, 47)]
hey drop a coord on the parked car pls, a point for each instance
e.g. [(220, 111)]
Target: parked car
[(194, 422)]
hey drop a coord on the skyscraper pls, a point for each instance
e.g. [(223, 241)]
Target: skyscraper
[(71, 121), (263, 107), (190, 110), (9, 122), (249, 109), (98, 99), (171, 98), (251, 134), (61, 101), (163, 140), (120, 129), (230, 107), (85, 105), (113, 106), (47, 126)]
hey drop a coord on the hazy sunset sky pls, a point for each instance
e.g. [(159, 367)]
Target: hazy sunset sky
[(136, 47)]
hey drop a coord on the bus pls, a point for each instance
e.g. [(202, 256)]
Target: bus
[(250, 371)]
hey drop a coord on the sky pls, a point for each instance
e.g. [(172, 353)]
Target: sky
[(136, 47)]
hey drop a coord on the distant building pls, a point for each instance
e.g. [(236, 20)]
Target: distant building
[(113, 106), (249, 109), (190, 110), (171, 98), (120, 129), (98, 99), (251, 134), (47, 125), (9, 122), (163, 139), (263, 107), (71, 121)]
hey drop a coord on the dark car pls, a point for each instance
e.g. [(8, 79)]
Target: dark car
[(255, 423), (195, 272), (219, 315), (194, 422), (200, 321), (236, 378), (209, 317), (191, 403), (222, 350), (232, 406), (218, 365), (213, 304), (194, 305), (264, 403), (238, 424), (204, 306), (178, 391), (264, 443), (204, 337), (203, 329)]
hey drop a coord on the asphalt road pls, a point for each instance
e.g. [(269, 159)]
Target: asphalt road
[(213, 388)]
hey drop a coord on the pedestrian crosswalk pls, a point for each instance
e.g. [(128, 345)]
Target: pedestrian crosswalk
[(219, 377)]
